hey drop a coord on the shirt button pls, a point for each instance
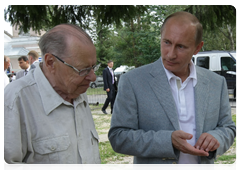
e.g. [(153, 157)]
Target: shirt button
[(53, 148)]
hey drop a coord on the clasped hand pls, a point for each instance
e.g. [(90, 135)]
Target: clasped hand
[(205, 143)]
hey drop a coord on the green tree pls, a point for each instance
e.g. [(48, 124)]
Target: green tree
[(138, 42), (39, 17), (220, 19)]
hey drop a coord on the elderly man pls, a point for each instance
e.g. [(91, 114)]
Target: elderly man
[(47, 117), (172, 111)]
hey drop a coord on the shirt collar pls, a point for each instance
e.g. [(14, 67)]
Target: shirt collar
[(50, 98), (28, 68), (35, 62), (192, 75)]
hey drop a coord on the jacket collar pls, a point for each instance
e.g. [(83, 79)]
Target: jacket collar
[(160, 85), (162, 90)]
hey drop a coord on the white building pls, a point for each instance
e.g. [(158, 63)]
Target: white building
[(16, 45)]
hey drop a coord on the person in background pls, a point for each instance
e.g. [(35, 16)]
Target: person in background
[(172, 111), (25, 66), (109, 86), (6, 65), (33, 59), (57, 128)]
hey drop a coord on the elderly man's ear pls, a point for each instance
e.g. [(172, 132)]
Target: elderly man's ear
[(49, 62)]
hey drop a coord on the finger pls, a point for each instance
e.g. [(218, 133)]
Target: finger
[(206, 142), (179, 139), (213, 145), (193, 151), (200, 141), (183, 146), (184, 135)]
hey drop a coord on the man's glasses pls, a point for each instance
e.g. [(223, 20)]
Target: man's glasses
[(82, 72)]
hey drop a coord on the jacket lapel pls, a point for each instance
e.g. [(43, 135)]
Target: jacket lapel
[(201, 99), (162, 90)]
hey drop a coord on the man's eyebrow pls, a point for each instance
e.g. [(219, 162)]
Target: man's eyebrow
[(165, 39)]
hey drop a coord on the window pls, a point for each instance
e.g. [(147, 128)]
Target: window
[(203, 62), (228, 64)]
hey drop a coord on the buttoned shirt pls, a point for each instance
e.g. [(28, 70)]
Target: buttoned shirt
[(183, 94), (41, 127), (111, 71), (27, 70)]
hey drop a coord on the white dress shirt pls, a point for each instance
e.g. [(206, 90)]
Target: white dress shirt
[(111, 71), (183, 94), (41, 127), (27, 70)]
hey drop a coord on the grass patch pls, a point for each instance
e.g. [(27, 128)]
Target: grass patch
[(108, 154), (102, 123), (235, 119), (228, 157), (96, 107), (95, 91)]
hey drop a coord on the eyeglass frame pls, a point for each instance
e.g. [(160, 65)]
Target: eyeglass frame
[(95, 67)]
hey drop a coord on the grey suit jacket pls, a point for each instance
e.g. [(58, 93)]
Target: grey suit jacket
[(20, 74), (145, 114)]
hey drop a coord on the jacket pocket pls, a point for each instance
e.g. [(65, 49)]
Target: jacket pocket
[(51, 145), (47, 149)]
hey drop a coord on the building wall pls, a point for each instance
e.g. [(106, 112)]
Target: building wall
[(20, 44)]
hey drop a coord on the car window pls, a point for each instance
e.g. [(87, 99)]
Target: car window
[(228, 64), (203, 62)]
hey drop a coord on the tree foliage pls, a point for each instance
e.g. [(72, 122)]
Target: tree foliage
[(128, 35), (213, 16), (39, 17)]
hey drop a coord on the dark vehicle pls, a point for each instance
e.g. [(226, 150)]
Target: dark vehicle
[(97, 83), (220, 62)]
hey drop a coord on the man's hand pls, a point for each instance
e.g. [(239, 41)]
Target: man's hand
[(107, 90), (179, 141), (207, 143)]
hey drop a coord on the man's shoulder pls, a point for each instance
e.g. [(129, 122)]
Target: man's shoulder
[(208, 73), (15, 88), (20, 71), (141, 71), (105, 69)]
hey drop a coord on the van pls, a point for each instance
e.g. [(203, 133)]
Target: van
[(121, 70), (220, 62)]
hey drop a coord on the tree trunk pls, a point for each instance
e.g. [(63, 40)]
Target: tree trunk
[(229, 28)]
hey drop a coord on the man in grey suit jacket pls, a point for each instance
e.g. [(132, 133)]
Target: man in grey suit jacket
[(172, 111), (24, 64)]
